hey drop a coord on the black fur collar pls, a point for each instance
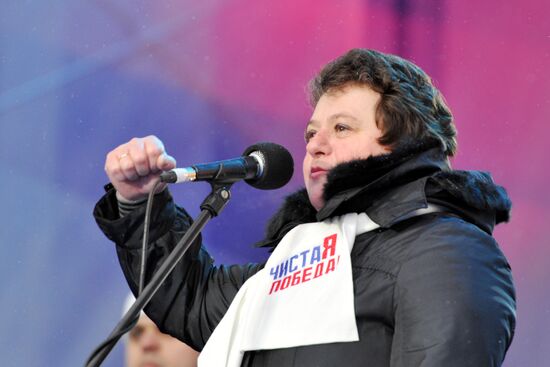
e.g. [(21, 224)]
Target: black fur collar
[(475, 193), (296, 209), (470, 193), (376, 170)]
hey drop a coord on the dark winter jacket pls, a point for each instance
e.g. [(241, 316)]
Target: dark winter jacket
[(430, 291)]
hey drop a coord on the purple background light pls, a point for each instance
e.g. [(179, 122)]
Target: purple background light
[(210, 78)]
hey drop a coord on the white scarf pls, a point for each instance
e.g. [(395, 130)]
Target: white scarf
[(303, 296)]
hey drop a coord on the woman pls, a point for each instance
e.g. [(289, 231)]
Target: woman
[(430, 286)]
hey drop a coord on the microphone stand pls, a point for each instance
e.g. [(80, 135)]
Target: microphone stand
[(212, 206)]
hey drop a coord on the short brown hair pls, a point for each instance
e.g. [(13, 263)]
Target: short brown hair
[(410, 108)]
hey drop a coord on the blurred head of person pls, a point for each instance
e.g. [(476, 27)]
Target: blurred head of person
[(146, 346)]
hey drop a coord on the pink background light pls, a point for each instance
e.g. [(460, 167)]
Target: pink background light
[(211, 78)]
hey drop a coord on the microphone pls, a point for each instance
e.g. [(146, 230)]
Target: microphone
[(264, 165)]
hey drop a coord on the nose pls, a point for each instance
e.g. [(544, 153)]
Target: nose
[(150, 341), (319, 144)]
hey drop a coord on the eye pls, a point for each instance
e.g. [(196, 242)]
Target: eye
[(341, 128), (308, 135), (136, 332)]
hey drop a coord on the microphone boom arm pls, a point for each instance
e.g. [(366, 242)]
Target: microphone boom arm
[(211, 207)]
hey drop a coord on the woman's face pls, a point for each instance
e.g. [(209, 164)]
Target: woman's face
[(342, 128)]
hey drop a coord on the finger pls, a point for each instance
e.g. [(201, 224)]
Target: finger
[(139, 158), (166, 162), (128, 167), (112, 167), (154, 149)]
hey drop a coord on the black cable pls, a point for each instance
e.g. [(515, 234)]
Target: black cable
[(146, 236)]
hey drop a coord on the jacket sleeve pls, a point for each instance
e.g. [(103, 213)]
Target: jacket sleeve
[(454, 300), (196, 294)]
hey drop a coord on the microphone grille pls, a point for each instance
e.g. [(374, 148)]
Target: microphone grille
[(278, 166)]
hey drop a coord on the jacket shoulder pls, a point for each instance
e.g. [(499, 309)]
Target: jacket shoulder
[(454, 293)]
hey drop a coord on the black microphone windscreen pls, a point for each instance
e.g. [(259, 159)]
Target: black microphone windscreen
[(278, 166)]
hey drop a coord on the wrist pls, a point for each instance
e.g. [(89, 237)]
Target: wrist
[(133, 201)]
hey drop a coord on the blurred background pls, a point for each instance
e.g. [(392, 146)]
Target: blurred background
[(209, 78)]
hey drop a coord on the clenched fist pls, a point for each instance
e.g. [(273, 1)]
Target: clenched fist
[(133, 167)]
